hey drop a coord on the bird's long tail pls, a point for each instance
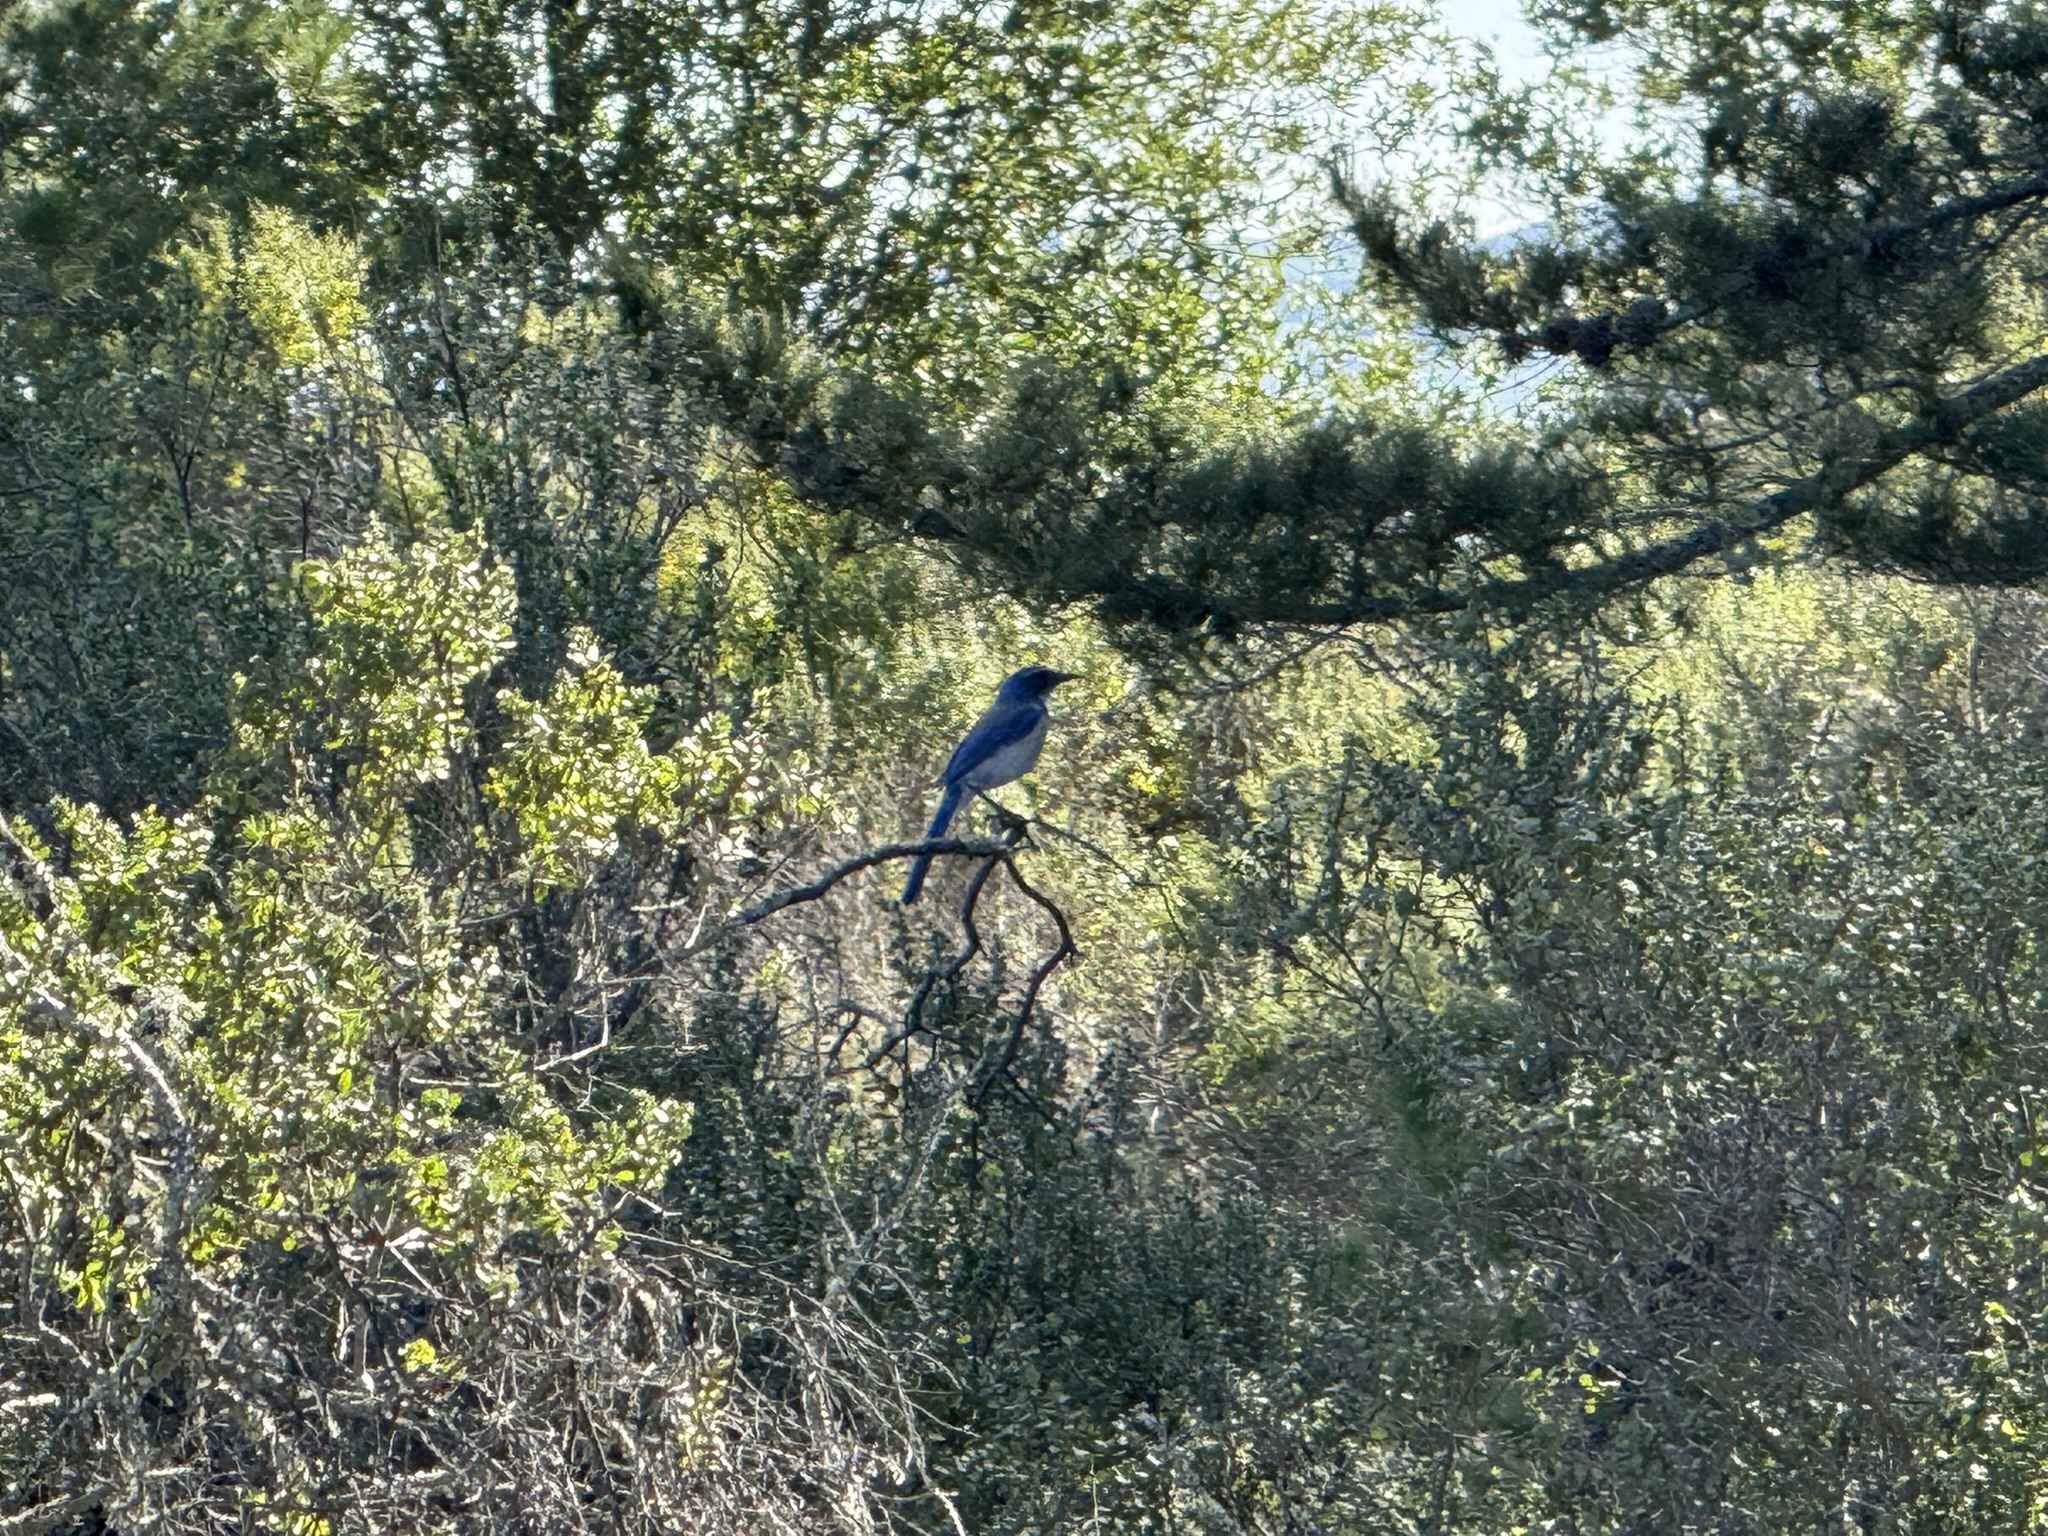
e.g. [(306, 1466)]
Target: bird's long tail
[(948, 804)]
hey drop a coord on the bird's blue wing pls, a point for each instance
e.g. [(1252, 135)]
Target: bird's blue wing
[(1003, 725)]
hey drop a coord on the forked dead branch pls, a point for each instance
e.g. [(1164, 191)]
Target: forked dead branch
[(1012, 837)]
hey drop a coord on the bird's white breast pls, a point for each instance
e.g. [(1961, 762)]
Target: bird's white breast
[(1007, 763)]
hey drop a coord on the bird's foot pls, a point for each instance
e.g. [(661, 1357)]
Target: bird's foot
[(1008, 824)]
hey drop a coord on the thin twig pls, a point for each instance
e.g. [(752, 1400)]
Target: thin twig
[(913, 1018), (1015, 1039)]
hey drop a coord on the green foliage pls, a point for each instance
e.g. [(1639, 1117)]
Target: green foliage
[(265, 1043), (1802, 298), (1688, 1052), (942, 191), (1804, 292), (273, 273)]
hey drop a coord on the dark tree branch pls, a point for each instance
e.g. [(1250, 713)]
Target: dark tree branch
[(1015, 831), (1593, 338), (947, 973), (823, 886), (1818, 492), (1879, 238), (1015, 1038)]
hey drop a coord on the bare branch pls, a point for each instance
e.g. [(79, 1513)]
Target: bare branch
[(50, 1515), (822, 886), (1014, 1040)]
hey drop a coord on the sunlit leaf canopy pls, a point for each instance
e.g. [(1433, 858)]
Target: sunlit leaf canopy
[(1805, 303)]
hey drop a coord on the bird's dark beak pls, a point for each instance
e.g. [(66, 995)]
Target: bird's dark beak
[(1063, 677)]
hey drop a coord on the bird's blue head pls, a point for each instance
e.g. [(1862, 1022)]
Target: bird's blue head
[(1032, 683)]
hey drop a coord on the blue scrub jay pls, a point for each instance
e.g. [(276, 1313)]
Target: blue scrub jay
[(1002, 746)]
